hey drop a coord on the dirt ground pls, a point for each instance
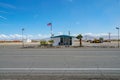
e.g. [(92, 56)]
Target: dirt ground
[(85, 44)]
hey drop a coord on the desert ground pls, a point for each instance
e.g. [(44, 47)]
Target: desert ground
[(112, 44)]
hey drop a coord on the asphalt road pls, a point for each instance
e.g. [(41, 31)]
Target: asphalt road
[(63, 60), (60, 58)]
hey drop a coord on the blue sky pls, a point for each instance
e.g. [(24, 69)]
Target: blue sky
[(77, 16)]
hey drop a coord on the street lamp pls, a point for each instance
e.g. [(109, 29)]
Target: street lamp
[(118, 35), (109, 37), (22, 37)]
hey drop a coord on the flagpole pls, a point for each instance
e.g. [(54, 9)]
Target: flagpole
[(50, 24), (51, 30)]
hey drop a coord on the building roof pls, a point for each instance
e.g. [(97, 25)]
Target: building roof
[(65, 36)]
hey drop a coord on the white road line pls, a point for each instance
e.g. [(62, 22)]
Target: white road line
[(58, 55), (61, 69)]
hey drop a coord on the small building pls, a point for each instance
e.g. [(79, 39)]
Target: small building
[(27, 40), (63, 40)]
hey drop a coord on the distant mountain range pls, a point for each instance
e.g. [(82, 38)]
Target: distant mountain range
[(87, 36)]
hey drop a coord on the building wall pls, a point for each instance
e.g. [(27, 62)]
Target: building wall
[(56, 41), (73, 41)]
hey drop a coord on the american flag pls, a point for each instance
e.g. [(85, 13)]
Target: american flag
[(117, 27), (49, 24)]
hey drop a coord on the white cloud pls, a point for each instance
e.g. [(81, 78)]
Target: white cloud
[(92, 36), (104, 35), (30, 36), (95, 35), (74, 34), (43, 36), (3, 36), (3, 17), (15, 36), (11, 37), (6, 5), (60, 33)]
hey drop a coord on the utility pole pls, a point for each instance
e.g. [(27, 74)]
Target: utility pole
[(86, 37), (109, 37), (23, 37), (69, 33), (118, 35)]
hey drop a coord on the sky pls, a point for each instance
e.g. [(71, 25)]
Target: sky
[(86, 17)]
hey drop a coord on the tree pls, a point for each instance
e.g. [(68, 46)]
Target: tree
[(51, 41), (43, 42), (101, 39), (80, 39)]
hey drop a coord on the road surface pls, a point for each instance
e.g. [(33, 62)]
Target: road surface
[(90, 62)]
